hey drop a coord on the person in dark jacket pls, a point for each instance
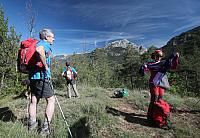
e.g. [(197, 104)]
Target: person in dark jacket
[(158, 81)]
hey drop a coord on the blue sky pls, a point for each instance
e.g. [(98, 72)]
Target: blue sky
[(88, 24)]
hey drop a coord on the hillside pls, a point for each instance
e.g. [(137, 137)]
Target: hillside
[(97, 114), (186, 43)]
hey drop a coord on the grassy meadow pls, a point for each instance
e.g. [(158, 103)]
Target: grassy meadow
[(97, 114)]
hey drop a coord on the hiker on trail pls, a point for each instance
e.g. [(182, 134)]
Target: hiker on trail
[(158, 81), (40, 84), (69, 73)]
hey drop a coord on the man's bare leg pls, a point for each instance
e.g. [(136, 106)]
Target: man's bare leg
[(32, 123)]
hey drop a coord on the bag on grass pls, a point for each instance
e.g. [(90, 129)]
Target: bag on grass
[(121, 93), (161, 114)]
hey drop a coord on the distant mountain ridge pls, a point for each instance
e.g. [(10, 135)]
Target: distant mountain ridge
[(113, 49), (60, 57), (186, 43)]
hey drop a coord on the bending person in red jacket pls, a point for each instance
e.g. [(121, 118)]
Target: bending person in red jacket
[(158, 81)]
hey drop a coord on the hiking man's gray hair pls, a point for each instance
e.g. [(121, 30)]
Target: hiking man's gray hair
[(44, 33)]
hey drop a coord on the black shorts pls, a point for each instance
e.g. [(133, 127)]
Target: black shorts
[(41, 88), (72, 82)]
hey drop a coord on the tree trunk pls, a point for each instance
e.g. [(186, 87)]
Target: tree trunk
[(17, 78), (2, 80), (186, 83), (131, 82)]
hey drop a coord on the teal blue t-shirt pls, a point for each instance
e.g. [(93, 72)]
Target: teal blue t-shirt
[(48, 52), (73, 69)]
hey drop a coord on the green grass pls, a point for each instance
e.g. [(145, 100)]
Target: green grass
[(87, 116)]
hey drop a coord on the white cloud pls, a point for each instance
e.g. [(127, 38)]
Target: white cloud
[(136, 20), (192, 22), (154, 42), (91, 36)]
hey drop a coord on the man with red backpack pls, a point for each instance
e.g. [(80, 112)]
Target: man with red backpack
[(69, 73), (158, 82), (40, 84)]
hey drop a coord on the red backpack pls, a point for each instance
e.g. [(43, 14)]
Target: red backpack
[(161, 114), (27, 56), (69, 74)]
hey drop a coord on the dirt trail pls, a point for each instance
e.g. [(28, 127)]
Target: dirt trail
[(134, 120)]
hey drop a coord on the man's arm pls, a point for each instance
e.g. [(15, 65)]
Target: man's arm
[(175, 61), (41, 52), (74, 72), (172, 62), (63, 73)]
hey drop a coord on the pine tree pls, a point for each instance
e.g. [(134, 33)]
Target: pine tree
[(8, 54), (130, 66), (100, 67)]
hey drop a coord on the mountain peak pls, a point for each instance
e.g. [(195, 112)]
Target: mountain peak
[(120, 43), (124, 43)]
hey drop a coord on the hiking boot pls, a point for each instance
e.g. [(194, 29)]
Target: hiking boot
[(45, 130), (32, 125), (76, 96)]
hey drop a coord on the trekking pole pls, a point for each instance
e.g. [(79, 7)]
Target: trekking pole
[(28, 99), (70, 133), (64, 117), (27, 108)]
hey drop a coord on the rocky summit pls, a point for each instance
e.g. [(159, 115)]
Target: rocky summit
[(124, 43)]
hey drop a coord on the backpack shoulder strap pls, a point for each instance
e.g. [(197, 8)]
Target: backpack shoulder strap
[(69, 68)]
